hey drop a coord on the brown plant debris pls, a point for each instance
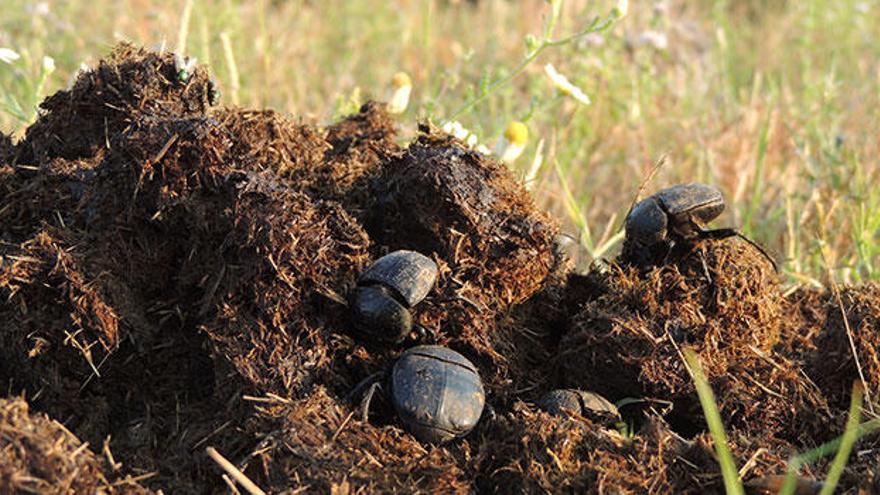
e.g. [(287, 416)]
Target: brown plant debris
[(39, 455)]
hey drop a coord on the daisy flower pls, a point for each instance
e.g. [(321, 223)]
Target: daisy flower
[(401, 86), (565, 87), (513, 142)]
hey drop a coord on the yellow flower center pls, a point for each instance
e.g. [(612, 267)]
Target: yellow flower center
[(400, 80), (517, 133)]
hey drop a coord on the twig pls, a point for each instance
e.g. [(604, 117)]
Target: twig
[(231, 65), (659, 163), (233, 471), (341, 427), (183, 32)]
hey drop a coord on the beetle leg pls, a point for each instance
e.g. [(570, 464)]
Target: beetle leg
[(705, 266), (728, 232), (423, 333), (488, 417), (368, 397), (363, 385)]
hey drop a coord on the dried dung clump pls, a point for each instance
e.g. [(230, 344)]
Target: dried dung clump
[(720, 299), (533, 452), (39, 455), (361, 143), (272, 320), (320, 444), (442, 197), (818, 332), (105, 100), (7, 148), (639, 321), (267, 140)]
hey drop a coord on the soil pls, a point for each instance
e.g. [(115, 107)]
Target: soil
[(174, 277)]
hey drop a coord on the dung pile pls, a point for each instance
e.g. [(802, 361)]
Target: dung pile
[(820, 328), (39, 455), (722, 311), (720, 299), (161, 266), (320, 445), (174, 277)]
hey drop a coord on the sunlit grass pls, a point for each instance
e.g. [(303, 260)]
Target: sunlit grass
[(841, 447), (732, 485), (775, 102)]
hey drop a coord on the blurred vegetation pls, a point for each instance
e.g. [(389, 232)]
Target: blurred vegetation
[(776, 102)]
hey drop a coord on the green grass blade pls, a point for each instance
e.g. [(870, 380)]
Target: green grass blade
[(850, 435), (842, 445), (732, 485)]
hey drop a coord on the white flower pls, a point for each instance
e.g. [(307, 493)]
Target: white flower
[(661, 8), (467, 137), (513, 142), (401, 87), (621, 9), (564, 86), (48, 64), (656, 39), (8, 55), (41, 9), (456, 129)]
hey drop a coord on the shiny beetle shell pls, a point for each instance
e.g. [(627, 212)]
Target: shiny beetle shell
[(570, 401), (683, 200), (679, 209), (409, 274), (646, 223), (378, 316), (437, 393)]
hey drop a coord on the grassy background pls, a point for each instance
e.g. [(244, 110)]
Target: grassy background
[(776, 102)]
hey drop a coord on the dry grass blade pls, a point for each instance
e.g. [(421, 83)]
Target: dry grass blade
[(234, 472)]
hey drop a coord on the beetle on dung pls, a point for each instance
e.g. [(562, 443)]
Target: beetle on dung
[(387, 291), (437, 393), (671, 217)]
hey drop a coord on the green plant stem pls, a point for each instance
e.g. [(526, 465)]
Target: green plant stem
[(732, 485), (842, 445), (595, 26)]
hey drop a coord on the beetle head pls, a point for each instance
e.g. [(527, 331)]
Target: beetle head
[(646, 223)]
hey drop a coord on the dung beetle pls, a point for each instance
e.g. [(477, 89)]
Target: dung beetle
[(386, 291), (436, 392), (672, 216), (563, 402)]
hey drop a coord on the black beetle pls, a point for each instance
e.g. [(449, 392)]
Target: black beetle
[(672, 215), (436, 392), (567, 401), (387, 290)]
